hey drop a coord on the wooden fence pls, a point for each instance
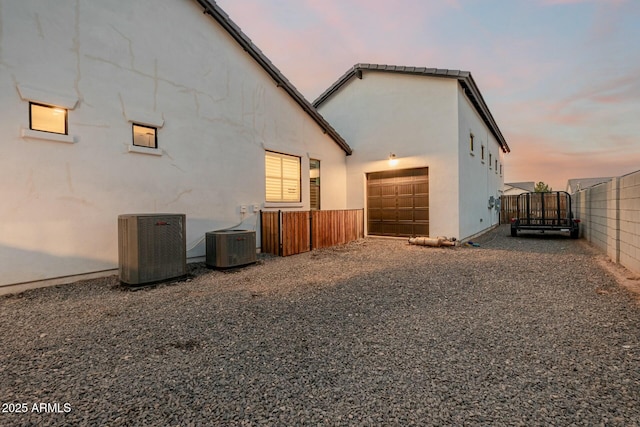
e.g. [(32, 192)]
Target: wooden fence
[(508, 208), (290, 233), (270, 232)]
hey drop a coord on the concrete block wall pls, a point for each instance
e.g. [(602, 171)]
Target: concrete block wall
[(598, 215), (629, 254), (610, 218)]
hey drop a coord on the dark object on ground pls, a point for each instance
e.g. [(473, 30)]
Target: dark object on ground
[(549, 211)]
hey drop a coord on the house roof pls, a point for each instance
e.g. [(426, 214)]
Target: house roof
[(577, 184), (210, 7), (527, 186), (464, 78)]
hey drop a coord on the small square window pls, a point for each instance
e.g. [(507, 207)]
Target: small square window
[(47, 118), (145, 136)]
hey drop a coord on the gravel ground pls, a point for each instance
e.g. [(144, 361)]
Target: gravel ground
[(519, 331)]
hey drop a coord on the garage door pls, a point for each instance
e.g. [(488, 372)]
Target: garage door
[(398, 203)]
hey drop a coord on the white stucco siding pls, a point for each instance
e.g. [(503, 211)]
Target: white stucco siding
[(479, 179), (148, 60), (414, 117)]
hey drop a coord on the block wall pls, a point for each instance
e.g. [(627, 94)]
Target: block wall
[(610, 218), (630, 222)]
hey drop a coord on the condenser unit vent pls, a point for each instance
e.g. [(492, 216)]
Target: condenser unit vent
[(230, 248), (151, 248)]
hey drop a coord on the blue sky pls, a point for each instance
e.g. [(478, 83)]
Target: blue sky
[(561, 77)]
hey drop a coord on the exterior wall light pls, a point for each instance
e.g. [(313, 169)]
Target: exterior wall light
[(392, 159)]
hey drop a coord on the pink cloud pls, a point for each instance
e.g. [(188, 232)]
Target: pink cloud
[(550, 158), (560, 123)]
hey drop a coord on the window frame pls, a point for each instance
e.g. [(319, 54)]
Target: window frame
[(133, 134), (471, 146), (53, 108), (281, 178), (318, 184)]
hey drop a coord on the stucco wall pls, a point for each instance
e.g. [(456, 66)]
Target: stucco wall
[(414, 117), (610, 218), (479, 178), (162, 59)]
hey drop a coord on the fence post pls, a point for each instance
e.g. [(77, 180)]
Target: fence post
[(279, 233), (616, 207), (261, 233), (587, 204), (311, 230)]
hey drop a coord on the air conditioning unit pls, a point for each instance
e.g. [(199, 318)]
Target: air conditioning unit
[(151, 248), (230, 248)]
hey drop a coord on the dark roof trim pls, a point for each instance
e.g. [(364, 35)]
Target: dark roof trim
[(464, 79), (527, 186), (211, 8)]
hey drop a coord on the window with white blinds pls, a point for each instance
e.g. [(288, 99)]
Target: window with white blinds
[(282, 177)]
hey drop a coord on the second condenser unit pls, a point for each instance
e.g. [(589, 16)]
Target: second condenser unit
[(230, 248)]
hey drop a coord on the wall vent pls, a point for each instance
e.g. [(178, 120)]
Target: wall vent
[(230, 248), (151, 248)]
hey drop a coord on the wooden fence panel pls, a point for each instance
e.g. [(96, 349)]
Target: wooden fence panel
[(295, 233), (290, 233), (331, 228), (508, 208), (270, 232)]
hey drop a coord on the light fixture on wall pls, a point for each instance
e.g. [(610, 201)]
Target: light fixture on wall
[(392, 159)]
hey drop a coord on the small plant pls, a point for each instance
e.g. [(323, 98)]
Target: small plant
[(541, 187)]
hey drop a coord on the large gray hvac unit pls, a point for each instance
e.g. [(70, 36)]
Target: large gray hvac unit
[(151, 248), (230, 248)]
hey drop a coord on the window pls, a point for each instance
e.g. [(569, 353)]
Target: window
[(471, 142), (47, 118), (282, 177), (314, 184), (482, 152), (490, 161), (500, 169), (496, 167), (145, 136)]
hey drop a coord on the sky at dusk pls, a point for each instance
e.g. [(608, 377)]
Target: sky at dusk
[(561, 77)]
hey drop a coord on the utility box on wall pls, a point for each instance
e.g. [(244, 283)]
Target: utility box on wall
[(151, 248), (230, 248)]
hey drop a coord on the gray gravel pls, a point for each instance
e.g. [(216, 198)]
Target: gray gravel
[(519, 331)]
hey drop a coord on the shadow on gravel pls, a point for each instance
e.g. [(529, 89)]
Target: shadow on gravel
[(531, 242), (541, 235)]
